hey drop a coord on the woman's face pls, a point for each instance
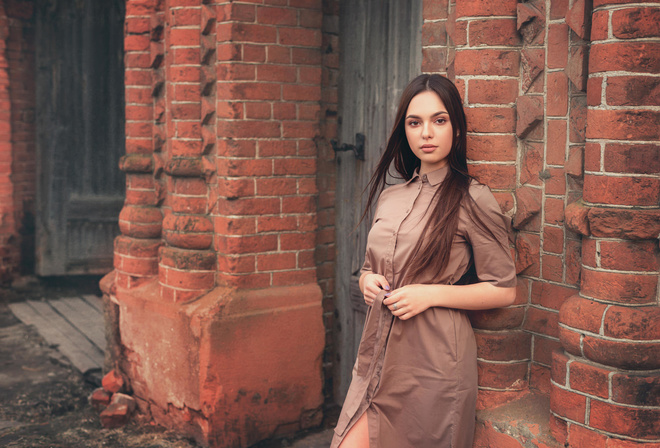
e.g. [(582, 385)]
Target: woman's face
[(429, 130)]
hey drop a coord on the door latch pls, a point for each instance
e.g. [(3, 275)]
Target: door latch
[(357, 148)]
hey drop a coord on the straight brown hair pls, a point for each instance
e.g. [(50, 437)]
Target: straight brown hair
[(430, 254)]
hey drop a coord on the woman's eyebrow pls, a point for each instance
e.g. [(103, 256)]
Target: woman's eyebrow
[(434, 115)]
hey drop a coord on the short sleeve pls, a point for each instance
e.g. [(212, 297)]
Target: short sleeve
[(491, 253)]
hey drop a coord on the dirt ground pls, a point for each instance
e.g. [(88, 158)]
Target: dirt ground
[(44, 401)]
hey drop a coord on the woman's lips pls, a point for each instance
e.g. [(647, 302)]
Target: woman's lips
[(428, 148)]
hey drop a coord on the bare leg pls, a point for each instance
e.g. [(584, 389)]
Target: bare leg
[(358, 435)]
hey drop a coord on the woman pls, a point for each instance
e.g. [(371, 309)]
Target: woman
[(438, 246)]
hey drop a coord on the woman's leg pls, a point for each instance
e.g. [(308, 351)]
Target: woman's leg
[(358, 435)]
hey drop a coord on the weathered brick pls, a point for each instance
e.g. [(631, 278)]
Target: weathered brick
[(532, 163), (568, 404), (559, 366), (635, 23), (492, 91), (490, 119), (641, 389), (638, 191), (528, 202), (637, 323), (543, 349), (493, 32), (528, 254), (434, 9), (529, 113), (617, 287), (589, 379), (624, 56), (557, 46), (633, 91), (582, 314), (491, 147), (476, 8), (487, 62), (582, 436), (503, 346), (434, 33), (629, 255), (557, 94), (594, 91), (495, 176), (624, 420), (511, 376), (556, 145), (541, 321)]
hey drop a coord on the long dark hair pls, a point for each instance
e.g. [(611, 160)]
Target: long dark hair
[(429, 253)]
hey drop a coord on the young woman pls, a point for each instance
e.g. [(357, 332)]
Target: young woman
[(438, 246)]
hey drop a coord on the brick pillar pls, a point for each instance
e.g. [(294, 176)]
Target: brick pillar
[(219, 310), (326, 184), (140, 221), (17, 138), (606, 384), (187, 262), (483, 57), (9, 254)]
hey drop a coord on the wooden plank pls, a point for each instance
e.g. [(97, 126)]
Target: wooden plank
[(57, 331), (380, 53), (94, 301), (83, 317)]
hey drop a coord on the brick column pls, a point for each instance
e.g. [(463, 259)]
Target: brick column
[(187, 262), (326, 184), (220, 316), (9, 254), (17, 141), (140, 221), (483, 58), (606, 385)]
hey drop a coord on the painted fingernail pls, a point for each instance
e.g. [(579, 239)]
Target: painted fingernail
[(387, 287), (388, 294)]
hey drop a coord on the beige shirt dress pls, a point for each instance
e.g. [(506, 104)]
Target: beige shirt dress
[(417, 378)]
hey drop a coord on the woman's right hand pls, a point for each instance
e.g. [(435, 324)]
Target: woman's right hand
[(372, 284)]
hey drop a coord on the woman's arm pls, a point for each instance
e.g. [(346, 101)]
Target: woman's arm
[(410, 300)]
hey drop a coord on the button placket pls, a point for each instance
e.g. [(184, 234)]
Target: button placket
[(392, 248)]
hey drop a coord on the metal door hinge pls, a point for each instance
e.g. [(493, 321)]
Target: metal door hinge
[(357, 148)]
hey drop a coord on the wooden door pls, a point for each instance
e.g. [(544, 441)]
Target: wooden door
[(80, 133), (381, 52)]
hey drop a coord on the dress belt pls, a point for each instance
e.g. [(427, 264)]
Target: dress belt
[(376, 328)]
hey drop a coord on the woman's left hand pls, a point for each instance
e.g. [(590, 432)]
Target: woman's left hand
[(408, 301)]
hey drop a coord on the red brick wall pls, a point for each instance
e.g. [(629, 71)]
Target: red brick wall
[(541, 79), (8, 249), (325, 181), (18, 160), (269, 97), (606, 383)]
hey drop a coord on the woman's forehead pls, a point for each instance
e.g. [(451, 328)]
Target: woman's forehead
[(426, 103)]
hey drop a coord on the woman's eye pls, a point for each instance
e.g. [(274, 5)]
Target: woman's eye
[(413, 123), (441, 121)]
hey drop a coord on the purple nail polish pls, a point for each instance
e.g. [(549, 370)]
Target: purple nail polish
[(387, 287), (388, 294)]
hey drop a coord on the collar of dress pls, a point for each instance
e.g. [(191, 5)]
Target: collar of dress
[(434, 177)]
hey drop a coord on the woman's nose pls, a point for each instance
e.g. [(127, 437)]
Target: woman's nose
[(427, 130)]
